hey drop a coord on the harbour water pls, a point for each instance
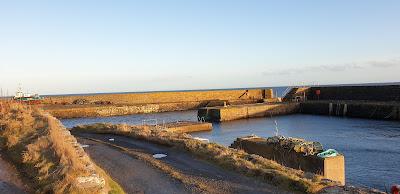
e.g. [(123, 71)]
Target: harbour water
[(371, 147)]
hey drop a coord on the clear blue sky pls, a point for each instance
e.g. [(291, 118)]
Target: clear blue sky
[(54, 47)]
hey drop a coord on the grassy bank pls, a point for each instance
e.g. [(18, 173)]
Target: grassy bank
[(47, 155), (232, 159)]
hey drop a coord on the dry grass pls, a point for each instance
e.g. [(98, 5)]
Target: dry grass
[(247, 164), (44, 150)]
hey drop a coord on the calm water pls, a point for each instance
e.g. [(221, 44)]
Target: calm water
[(371, 148)]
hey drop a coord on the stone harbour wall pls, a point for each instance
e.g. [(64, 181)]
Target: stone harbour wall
[(77, 111), (229, 113), (164, 97), (365, 93), (332, 168), (359, 109)]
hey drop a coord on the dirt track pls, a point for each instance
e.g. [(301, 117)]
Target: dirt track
[(9, 180), (131, 164)]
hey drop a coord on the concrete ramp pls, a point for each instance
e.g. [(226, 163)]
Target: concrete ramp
[(296, 94)]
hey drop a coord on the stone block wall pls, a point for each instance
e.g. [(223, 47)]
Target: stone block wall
[(247, 111), (165, 97), (331, 168), (368, 110), (368, 93), (188, 127)]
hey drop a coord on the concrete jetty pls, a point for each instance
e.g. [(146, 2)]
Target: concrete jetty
[(188, 126), (234, 112), (332, 168), (370, 102), (359, 109), (96, 105)]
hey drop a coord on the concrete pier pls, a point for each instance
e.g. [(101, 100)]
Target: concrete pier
[(188, 126), (100, 105), (234, 112), (332, 168), (360, 109)]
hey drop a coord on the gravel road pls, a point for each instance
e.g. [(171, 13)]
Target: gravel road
[(130, 163), (9, 179)]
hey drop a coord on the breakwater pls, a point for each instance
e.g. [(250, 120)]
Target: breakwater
[(235, 112), (135, 103), (360, 109), (371, 102), (165, 97), (187, 126), (384, 93), (78, 111), (280, 150)]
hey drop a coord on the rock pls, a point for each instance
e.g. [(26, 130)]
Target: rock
[(158, 156), (101, 102), (92, 181), (349, 190), (81, 101)]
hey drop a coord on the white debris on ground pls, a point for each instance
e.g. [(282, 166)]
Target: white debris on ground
[(202, 139), (111, 139), (93, 180), (83, 145), (158, 156)]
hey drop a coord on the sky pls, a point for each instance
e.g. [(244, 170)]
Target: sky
[(74, 46)]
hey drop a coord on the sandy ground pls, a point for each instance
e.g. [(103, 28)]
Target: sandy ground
[(9, 181), (137, 175)]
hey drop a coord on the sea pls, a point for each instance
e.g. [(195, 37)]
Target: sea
[(371, 147)]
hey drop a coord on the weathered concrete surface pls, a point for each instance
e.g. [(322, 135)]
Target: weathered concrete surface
[(334, 168), (235, 112), (77, 111), (122, 168), (296, 94), (331, 168), (188, 126), (360, 109)]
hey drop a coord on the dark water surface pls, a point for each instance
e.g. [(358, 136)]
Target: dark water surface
[(371, 147)]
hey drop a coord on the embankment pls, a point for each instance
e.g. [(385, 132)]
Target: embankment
[(135, 103), (236, 160), (47, 155)]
